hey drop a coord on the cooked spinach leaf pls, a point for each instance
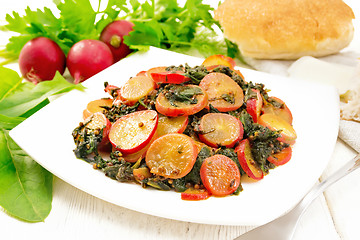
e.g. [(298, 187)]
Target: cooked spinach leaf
[(181, 93), (116, 111), (263, 141)]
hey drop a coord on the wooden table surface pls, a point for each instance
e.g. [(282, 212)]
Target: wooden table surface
[(78, 215)]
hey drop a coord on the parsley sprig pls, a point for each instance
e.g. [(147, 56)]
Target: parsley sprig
[(160, 23)]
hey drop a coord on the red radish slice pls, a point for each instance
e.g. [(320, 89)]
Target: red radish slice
[(176, 77), (172, 155), (155, 70), (165, 107), (224, 94), (220, 129), (96, 106), (171, 124), (283, 111), (220, 175), (282, 157), (133, 131), (254, 105), (98, 121), (141, 73), (192, 194), (276, 123), (135, 89), (216, 60), (247, 161), (134, 157)]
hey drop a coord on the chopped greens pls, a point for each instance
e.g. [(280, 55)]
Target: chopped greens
[(86, 140), (181, 93), (264, 141)]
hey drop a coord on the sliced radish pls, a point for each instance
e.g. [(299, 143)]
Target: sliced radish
[(216, 60), (176, 77), (171, 124), (254, 105), (247, 161), (192, 194), (224, 93), (283, 111), (172, 155), (220, 175), (96, 106), (135, 89), (220, 129), (281, 157), (276, 123), (155, 70), (134, 157), (181, 108), (133, 131), (98, 122)]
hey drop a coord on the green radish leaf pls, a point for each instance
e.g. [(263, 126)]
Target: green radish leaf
[(35, 109), (25, 186), (145, 33), (25, 96), (79, 17), (9, 123), (9, 80)]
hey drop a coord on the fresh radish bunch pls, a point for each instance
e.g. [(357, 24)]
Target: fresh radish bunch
[(88, 57), (113, 35), (40, 58)]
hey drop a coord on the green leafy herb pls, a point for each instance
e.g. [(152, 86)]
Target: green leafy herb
[(9, 123), (25, 96), (25, 187), (161, 23), (166, 24), (77, 21)]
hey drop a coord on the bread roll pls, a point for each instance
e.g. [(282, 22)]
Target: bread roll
[(286, 29)]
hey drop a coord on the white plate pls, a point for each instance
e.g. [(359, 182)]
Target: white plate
[(46, 136)]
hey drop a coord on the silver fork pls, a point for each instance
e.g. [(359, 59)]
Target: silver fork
[(283, 228)]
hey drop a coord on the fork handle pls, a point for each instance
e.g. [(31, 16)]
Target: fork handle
[(334, 177)]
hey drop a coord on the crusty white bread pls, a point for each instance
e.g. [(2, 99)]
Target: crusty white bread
[(286, 29)]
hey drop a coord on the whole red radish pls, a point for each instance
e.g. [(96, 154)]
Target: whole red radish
[(40, 58), (113, 35), (88, 57)]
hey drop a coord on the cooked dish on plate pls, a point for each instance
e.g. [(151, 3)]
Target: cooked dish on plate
[(195, 130)]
